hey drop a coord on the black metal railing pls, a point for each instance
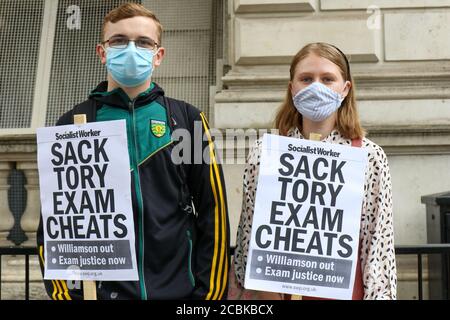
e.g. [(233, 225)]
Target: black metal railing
[(418, 250)]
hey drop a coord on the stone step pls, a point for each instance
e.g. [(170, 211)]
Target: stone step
[(13, 269), (16, 291)]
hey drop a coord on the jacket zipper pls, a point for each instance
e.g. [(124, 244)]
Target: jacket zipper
[(137, 182), (191, 275)]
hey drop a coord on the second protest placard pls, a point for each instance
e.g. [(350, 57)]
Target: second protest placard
[(305, 230)]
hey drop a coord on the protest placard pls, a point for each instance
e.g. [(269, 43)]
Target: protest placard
[(306, 223), (86, 207)]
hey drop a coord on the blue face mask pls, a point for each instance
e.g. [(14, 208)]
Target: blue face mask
[(130, 67), (317, 102)]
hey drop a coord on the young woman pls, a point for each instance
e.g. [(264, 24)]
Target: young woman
[(321, 99)]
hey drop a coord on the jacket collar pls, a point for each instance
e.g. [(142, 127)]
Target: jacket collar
[(118, 98)]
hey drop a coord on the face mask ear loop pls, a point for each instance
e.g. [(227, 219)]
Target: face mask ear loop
[(106, 50), (104, 47), (154, 55), (342, 94)]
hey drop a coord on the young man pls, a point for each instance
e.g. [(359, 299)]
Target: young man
[(180, 211)]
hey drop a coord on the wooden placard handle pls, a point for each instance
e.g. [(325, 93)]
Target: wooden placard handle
[(89, 287), (314, 137), (89, 290)]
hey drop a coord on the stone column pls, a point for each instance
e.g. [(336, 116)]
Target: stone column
[(6, 218), (30, 218)]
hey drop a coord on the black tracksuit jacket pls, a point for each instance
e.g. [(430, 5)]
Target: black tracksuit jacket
[(181, 253)]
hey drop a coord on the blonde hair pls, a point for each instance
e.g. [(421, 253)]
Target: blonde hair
[(131, 10), (347, 121)]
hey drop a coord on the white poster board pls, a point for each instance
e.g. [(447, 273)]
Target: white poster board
[(306, 223), (85, 188)]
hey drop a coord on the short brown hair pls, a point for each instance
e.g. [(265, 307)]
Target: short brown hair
[(131, 10), (347, 122)]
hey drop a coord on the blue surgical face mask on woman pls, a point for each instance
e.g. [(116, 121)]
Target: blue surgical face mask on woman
[(317, 102), (131, 66)]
